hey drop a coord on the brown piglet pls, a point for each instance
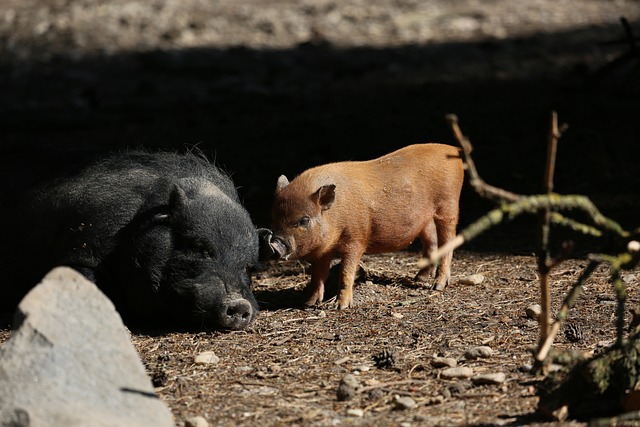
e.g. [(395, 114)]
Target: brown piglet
[(345, 209)]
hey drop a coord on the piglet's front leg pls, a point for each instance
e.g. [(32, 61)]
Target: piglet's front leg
[(348, 270), (319, 274)]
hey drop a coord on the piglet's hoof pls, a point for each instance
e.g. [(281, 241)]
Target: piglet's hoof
[(344, 303), (439, 286), (315, 298)]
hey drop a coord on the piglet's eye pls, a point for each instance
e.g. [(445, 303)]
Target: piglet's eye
[(205, 254), (304, 221)]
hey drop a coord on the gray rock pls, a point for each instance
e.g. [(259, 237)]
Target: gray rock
[(534, 311), (206, 358), (196, 422), (405, 402), (482, 351), (69, 362), (458, 372), (442, 362), (489, 378), (473, 280), (355, 412), (347, 388)]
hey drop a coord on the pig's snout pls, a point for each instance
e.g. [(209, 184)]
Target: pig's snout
[(280, 248), (236, 314), (272, 247)]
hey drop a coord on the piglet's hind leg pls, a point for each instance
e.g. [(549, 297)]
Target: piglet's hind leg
[(429, 240), (446, 231)]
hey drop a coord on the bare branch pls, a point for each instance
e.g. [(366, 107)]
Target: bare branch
[(482, 188), (567, 304)]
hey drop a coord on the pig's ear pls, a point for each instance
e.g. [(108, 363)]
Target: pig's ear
[(325, 196), (177, 199), (282, 182)]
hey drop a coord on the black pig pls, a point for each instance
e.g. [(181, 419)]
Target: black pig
[(164, 235)]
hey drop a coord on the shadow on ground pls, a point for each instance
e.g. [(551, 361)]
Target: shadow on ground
[(261, 113)]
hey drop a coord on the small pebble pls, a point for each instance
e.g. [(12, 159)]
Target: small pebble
[(482, 351), (527, 367), (494, 378), (457, 388), (206, 358), (347, 388), (355, 412), (405, 402), (196, 422), (376, 394), (534, 311), (474, 279), (435, 400), (458, 372), (349, 380), (442, 362), (345, 392)]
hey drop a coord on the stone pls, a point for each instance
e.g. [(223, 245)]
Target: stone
[(489, 378), (355, 412), (482, 351), (534, 311), (69, 362), (196, 422), (457, 372), (206, 358), (347, 388), (442, 362), (473, 279), (405, 402)]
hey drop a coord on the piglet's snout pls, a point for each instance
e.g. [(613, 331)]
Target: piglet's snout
[(280, 248)]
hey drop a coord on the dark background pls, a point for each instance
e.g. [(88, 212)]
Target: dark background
[(261, 111)]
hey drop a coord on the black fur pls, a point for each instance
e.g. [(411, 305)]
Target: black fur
[(164, 235)]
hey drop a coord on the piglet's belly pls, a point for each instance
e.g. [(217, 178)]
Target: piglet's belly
[(391, 239)]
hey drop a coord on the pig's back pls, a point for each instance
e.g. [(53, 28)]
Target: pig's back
[(419, 173)]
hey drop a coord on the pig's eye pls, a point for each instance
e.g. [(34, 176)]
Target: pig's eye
[(303, 222), (204, 250)]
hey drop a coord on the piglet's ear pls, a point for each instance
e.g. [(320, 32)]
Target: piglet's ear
[(177, 199), (282, 182), (325, 196)]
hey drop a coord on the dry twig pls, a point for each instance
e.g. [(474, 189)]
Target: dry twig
[(546, 206)]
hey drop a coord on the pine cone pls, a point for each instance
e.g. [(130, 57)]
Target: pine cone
[(384, 360), (573, 332), (159, 377)]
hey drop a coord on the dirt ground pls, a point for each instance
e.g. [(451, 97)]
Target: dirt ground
[(287, 369), (277, 86)]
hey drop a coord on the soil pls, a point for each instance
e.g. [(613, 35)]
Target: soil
[(277, 86)]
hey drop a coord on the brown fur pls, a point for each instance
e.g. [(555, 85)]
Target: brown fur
[(373, 206)]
